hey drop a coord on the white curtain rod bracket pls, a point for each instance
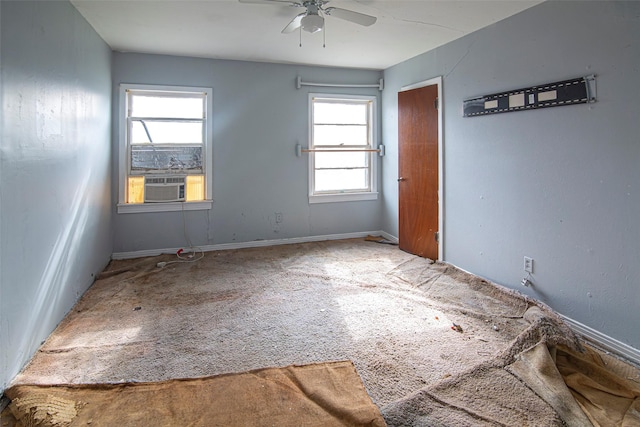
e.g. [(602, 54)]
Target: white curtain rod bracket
[(300, 83)]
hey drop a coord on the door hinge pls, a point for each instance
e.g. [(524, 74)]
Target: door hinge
[(437, 236), (436, 104)]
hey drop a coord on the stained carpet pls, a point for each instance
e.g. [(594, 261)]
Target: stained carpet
[(433, 345)]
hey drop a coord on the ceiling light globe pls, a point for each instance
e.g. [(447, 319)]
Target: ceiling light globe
[(312, 23)]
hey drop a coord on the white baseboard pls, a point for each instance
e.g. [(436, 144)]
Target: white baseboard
[(603, 341), (389, 237), (600, 340), (255, 244)]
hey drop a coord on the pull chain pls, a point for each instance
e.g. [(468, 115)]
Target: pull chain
[(324, 37)]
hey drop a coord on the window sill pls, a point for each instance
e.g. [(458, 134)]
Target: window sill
[(124, 208), (343, 197)]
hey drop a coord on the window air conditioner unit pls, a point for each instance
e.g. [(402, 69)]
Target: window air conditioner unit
[(164, 189)]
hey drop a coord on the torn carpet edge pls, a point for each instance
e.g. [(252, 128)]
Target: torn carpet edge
[(322, 394), (519, 386), (456, 289)]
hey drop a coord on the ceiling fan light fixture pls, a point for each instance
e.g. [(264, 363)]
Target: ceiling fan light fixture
[(312, 23), (312, 19)]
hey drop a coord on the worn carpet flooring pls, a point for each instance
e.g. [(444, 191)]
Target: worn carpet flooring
[(432, 344)]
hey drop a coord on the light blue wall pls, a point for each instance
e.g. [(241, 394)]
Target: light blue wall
[(55, 187), (258, 117), (561, 185)]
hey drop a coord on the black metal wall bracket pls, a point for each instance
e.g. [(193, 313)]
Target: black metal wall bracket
[(580, 90)]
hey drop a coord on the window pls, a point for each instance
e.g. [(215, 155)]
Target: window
[(165, 143), (342, 159)]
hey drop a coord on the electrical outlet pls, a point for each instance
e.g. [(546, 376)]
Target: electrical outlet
[(278, 217), (528, 264)]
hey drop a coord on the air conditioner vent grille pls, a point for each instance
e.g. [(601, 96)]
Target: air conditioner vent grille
[(164, 189), (175, 180)]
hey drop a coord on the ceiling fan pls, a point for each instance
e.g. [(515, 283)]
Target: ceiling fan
[(312, 20)]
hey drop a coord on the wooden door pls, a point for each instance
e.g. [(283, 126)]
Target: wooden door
[(418, 171)]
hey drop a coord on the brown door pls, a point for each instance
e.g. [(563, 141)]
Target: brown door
[(418, 171)]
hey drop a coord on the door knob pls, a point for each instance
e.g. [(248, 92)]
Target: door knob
[(401, 179)]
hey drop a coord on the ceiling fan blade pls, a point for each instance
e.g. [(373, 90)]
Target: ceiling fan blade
[(294, 24), (351, 16), (280, 2)]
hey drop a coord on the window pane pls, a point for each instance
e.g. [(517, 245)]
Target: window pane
[(195, 188), (166, 132), (135, 190), (341, 180), (340, 135), (340, 113), (341, 160), (167, 106), (149, 157)]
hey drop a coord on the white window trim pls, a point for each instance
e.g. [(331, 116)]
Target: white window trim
[(122, 206), (354, 196)]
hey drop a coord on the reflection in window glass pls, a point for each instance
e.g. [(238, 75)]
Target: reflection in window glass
[(151, 158)]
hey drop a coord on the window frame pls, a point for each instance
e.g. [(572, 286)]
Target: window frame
[(345, 195), (124, 166)]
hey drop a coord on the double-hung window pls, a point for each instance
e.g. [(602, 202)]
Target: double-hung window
[(342, 159), (165, 143)]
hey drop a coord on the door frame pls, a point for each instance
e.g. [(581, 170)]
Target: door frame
[(436, 81)]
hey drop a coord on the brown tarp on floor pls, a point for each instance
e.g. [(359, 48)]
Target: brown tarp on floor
[(606, 389), (324, 394)]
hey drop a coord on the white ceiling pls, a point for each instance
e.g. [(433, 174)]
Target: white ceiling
[(227, 29)]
